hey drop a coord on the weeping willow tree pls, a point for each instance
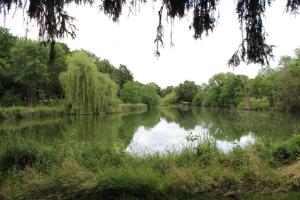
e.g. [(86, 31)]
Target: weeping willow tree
[(87, 91)]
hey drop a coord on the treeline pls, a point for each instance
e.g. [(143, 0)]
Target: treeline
[(277, 89), (89, 84)]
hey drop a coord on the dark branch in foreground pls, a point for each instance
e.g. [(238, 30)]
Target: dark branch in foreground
[(55, 23)]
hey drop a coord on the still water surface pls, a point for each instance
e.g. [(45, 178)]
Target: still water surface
[(161, 130)]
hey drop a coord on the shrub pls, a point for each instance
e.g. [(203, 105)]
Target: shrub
[(255, 104)]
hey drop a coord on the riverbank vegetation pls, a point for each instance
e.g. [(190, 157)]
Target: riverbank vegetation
[(76, 80), (271, 89), (69, 169)]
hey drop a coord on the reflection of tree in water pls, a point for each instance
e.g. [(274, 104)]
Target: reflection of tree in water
[(183, 116), (221, 124), (46, 130), (231, 125), (130, 123), (97, 129)]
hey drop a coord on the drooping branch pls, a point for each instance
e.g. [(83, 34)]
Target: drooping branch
[(253, 48), (159, 32), (55, 23)]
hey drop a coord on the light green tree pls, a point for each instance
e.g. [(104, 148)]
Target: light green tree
[(87, 91), (130, 93)]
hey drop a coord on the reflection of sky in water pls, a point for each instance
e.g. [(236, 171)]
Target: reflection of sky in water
[(168, 137)]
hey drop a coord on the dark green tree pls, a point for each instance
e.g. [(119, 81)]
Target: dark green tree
[(186, 91), (29, 68), (55, 67), (121, 75)]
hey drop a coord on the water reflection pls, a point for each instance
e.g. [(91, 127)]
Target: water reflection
[(160, 130), (170, 137)]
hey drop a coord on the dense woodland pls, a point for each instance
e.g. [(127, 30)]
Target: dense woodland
[(89, 84)]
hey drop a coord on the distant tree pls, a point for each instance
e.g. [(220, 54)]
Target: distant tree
[(198, 99), (149, 96), (29, 67), (186, 91), (225, 90), (87, 90), (290, 82), (7, 41), (166, 91), (105, 66), (131, 92), (121, 75), (156, 88)]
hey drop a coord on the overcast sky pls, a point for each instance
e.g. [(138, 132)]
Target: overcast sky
[(131, 41)]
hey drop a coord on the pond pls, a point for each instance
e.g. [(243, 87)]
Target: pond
[(161, 130)]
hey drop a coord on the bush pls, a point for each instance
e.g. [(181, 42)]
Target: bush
[(255, 104)]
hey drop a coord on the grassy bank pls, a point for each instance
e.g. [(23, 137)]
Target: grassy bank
[(81, 170), (18, 112)]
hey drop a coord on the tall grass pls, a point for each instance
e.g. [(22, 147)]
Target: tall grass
[(18, 112), (81, 170)]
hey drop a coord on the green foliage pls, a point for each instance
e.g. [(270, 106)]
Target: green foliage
[(10, 99), (87, 90), (149, 96), (105, 66), (288, 151), (18, 112), (29, 67), (166, 91), (131, 92), (17, 157), (224, 90), (70, 169), (186, 91), (121, 75), (255, 104), (55, 67), (198, 99), (169, 99), (156, 88), (7, 41)]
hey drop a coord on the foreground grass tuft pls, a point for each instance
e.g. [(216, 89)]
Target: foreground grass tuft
[(78, 170)]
